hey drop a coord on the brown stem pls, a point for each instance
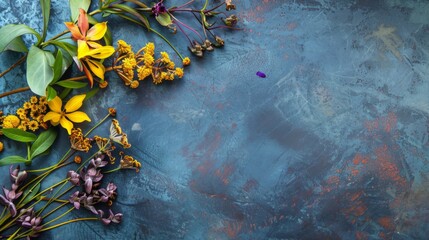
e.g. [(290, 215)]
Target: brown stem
[(14, 65), (18, 90)]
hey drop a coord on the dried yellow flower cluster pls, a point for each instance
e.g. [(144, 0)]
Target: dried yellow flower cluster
[(28, 117), (143, 64), (78, 141)]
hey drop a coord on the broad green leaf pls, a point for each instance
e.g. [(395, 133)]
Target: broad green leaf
[(17, 45), (75, 5), (65, 92), (46, 10), (19, 135), (39, 70), (58, 66), (71, 84), (70, 48), (164, 19), (108, 37), (91, 93), (13, 159), (50, 93), (133, 12), (43, 142), (30, 195), (9, 32)]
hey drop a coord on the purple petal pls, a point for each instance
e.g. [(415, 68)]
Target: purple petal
[(261, 74), (76, 205)]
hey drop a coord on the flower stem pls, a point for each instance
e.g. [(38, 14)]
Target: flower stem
[(54, 210), (17, 63), (96, 125), (67, 222), (62, 215), (113, 170), (168, 42), (18, 90)]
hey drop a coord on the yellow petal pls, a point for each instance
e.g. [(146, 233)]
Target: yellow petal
[(96, 67), (78, 117), (74, 103), (54, 117), (93, 44), (66, 124), (82, 21), (97, 31), (74, 30), (101, 53), (82, 49), (55, 104)]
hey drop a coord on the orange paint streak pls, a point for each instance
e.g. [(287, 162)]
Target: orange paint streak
[(387, 169), (386, 223), (361, 236)]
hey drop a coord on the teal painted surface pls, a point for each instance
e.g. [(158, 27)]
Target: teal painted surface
[(333, 144)]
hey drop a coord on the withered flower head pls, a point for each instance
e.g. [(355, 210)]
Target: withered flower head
[(115, 218), (112, 112), (219, 41), (230, 21), (105, 146), (78, 141), (116, 134), (229, 5), (128, 162)]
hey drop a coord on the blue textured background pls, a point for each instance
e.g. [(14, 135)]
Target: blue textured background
[(333, 144)]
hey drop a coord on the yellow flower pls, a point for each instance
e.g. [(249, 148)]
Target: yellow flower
[(33, 125), (123, 47), (33, 99), (26, 105), (143, 72), (12, 119), (179, 72), (88, 64), (67, 116), (1, 146), (149, 48), (186, 61)]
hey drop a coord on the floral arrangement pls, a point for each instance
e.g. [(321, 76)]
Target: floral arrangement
[(28, 207)]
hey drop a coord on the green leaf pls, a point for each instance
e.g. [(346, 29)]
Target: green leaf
[(39, 70), (30, 195), (13, 159), (164, 19), (71, 84), (65, 92), (10, 32), (58, 66), (17, 45), (108, 37), (70, 48), (50, 93), (133, 12), (91, 93), (46, 10), (43, 142), (19, 135), (75, 5)]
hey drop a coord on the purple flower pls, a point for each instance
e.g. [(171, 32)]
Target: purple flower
[(108, 193), (9, 204), (28, 219), (90, 176), (16, 176), (261, 74), (98, 162), (159, 8), (76, 200), (115, 218), (74, 177)]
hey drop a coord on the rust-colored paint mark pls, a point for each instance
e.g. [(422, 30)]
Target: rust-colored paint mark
[(358, 159), (224, 173), (291, 26), (386, 223), (387, 169), (382, 235), (250, 184), (361, 235), (389, 122), (232, 229), (386, 123)]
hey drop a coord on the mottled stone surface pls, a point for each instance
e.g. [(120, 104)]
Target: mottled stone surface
[(333, 144)]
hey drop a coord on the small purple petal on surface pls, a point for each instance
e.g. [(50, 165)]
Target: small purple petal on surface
[(261, 74)]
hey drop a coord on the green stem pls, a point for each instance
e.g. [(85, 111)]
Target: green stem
[(67, 222), (96, 125), (168, 42), (54, 210), (13, 235), (51, 199), (113, 170), (62, 215)]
